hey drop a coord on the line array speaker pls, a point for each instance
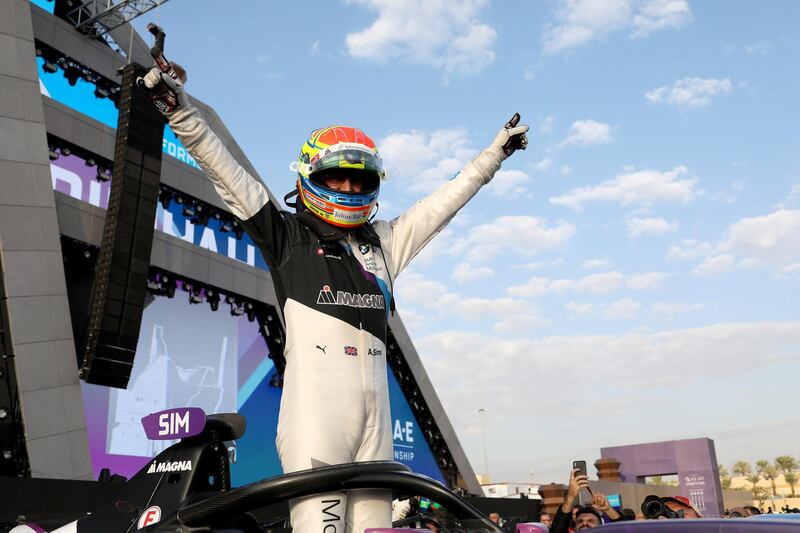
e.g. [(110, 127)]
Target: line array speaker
[(120, 283)]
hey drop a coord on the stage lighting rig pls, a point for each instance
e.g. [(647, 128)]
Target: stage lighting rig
[(249, 308), (52, 153), (212, 297)]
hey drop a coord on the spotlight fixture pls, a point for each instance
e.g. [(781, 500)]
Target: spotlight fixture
[(49, 67), (250, 310), (52, 153), (72, 73), (101, 92), (168, 285), (200, 215), (66, 151), (238, 229), (90, 162), (188, 209), (212, 297), (225, 226), (236, 310), (103, 175), (195, 293), (3, 413), (7, 455), (165, 197)]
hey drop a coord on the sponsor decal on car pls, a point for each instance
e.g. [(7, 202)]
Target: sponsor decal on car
[(169, 466), (150, 516)]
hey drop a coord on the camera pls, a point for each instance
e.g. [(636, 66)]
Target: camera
[(654, 507)]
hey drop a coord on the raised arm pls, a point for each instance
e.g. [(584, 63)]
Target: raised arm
[(411, 231), (245, 195)]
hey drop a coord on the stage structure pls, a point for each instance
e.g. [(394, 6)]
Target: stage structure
[(210, 335)]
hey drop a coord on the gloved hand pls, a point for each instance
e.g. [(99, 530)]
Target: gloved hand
[(511, 137), (166, 88)]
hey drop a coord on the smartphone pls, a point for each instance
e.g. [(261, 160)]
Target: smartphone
[(581, 466)]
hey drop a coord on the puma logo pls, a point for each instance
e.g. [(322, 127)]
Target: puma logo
[(321, 348)]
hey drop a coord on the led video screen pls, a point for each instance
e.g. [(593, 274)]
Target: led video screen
[(191, 356)]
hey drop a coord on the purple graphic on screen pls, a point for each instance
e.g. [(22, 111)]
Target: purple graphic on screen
[(73, 177), (174, 423)]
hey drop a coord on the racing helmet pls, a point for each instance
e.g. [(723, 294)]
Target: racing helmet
[(339, 150)]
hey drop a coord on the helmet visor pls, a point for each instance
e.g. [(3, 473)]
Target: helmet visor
[(349, 159)]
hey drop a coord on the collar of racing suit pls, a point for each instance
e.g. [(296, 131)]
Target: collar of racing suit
[(327, 232)]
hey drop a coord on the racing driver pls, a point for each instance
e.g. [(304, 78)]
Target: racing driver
[(334, 272)]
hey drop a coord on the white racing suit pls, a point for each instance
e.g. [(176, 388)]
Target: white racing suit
[(334, 290)]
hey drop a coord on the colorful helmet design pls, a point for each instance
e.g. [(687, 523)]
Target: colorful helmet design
[(334, 149)]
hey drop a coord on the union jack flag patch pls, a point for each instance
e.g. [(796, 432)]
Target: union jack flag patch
[(351, 350)]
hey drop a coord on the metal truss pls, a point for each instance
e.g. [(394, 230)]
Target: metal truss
[(99, 17)]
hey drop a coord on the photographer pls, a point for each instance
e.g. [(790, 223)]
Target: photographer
[(587, 516), (668, 507)]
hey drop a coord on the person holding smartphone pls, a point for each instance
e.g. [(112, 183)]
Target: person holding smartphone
[(334, 271), (586, 516)]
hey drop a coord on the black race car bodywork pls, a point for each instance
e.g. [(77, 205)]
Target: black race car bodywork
[(187, 488)]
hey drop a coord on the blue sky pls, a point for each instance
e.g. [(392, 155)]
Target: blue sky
[(633, 276)]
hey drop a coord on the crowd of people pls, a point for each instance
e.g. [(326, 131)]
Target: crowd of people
[(582, 508)]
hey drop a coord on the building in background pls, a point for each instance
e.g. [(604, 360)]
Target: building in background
[(199, 344)]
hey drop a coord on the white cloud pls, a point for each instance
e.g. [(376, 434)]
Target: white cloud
[(649, 226), (566, 170), (643, 187), (546, 124), (509, 182), (659, 14), (539, 286), (689, 249), (315, 47), (712, 266), (772, 238), (789, 272), (626, 308), (760, 48), (579, 22), (425, 160), (794, 194), (768, 241), (601, 283), (504, 314), (690, 92), (668, 309), (646, 281), (443, 34), (464, 272), (523, 235), (559, 367), (510, 315), (579, 308), (543, 165), (591, 264), (588, 132)]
